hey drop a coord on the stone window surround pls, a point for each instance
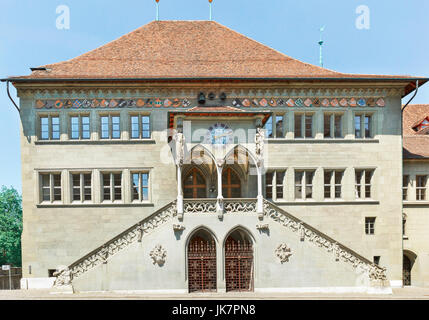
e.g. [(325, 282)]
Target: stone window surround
[(332, 183), (364, 185), (347, 186), (81, 172), (412, 188), (288, 125), (97, 190), (273, 183), (372, 123), (370, 223), (48, 115), (140, 115), (149, 183), (95, 126), (51, 187), (69, 125), (332, 115)]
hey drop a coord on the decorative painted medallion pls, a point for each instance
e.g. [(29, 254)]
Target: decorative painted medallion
[(185, 103)]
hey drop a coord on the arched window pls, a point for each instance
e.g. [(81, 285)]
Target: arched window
[(231, 184), (194, 185)]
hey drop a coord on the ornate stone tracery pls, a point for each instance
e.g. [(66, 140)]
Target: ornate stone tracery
[(341, 253)]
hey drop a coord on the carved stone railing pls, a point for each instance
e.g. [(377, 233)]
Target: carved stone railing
[(229, 205), (341, 252), (113, 246)]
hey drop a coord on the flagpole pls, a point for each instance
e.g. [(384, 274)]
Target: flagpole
[(157, 10), (210, 5)]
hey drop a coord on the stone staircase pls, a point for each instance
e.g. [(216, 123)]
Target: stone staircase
[(100, 255), (376, 274)]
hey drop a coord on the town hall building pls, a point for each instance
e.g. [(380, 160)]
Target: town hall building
[(185, 157)]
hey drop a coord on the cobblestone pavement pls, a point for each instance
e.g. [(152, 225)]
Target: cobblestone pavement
[(409, 293)]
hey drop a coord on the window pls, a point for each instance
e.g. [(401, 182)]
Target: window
[(421, 182), (140, 183), (269, 127), (370, 225), (50, 187), (279, 126), (79, 127), (333, 126), (112, 186), (269, 176), (405, 182), (110, 127), (363, 126), (81, 187), (377, 260), (274, 184), (333, 184), (140, 127), (304, 184), (303, 125), (363, 181), (50, 127)]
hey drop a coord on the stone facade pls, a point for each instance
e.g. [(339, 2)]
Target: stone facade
[(61, 233), (254, 172)]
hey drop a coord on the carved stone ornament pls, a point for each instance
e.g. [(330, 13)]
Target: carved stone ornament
[(180, 147), (63, 275), (283, 252), (158, 255), (178, 227), (259, 144), (262, 226)]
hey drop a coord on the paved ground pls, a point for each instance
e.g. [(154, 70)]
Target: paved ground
[(409, 293)]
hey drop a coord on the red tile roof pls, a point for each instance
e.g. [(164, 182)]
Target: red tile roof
[(187, 50), (416, 144)]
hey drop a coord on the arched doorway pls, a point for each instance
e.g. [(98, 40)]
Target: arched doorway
[(231, 184), (202, 274), (407, 266), (194, 185), (239, 262)]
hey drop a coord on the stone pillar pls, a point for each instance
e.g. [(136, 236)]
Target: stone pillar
[(179, 193), (219, 202), (260, 198)]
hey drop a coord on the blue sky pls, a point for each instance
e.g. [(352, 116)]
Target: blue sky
[(396, 42)]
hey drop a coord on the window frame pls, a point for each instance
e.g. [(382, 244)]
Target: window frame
[(303, 129), (51, 187), (81, 187), (371, 126), (421, 191), (111, 187), (303, 184), (333, 185), (140, 186), (274, 185), (140, 117), (370, 225), (80, 117), (50, 125), (110, 125), (405, 187), (363, 185), (332, 127)]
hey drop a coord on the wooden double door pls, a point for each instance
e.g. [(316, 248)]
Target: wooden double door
[(202, 265)]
